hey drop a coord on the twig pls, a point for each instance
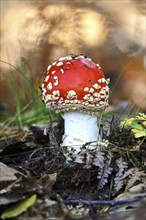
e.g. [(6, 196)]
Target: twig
[(102, 202)]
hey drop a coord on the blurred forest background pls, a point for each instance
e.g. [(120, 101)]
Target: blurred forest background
[(35, 33)]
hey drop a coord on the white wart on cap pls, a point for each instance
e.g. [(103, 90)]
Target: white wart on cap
[(75, 83)]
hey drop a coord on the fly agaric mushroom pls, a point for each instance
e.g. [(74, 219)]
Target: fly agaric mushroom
[(76, 87)]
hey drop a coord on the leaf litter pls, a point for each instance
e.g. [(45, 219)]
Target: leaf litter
[(69, 184)]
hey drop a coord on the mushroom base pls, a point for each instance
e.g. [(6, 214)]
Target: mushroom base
[(80, 128)]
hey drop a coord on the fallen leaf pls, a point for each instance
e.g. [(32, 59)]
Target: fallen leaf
[(7, 173), (19, 208)]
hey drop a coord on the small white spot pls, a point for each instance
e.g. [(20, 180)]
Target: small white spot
[(86, 97), (76, 58), (91, 99), (53, 72), (56, 81), (98, 66), (106, 88), (74, 108), (75, 101), (67, 101), (49, 86), (96, 99), (86, 89), (88, 59), (44, 90), (91, 90), (61, 100), (43, 86), (102, 92), (56, 93), (96, 94), (96, 86), (59, 63), (102, 103), (48, 67), (47, 78), (71, 94), (68, 57), (62, 71), (81, 56), (43, 94), (62, 58), (54, 63), (102, 80), (102, 96), (108, 81), (48, 98), (86, 103)]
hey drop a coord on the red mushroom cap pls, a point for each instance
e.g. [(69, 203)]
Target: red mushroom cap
[(75, 83)]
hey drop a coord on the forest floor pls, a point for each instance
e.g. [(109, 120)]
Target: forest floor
[(41, 180)]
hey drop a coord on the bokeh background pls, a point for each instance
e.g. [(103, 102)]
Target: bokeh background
[(35, 33)]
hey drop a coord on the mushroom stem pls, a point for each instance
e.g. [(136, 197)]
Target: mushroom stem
[(80, 128)]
